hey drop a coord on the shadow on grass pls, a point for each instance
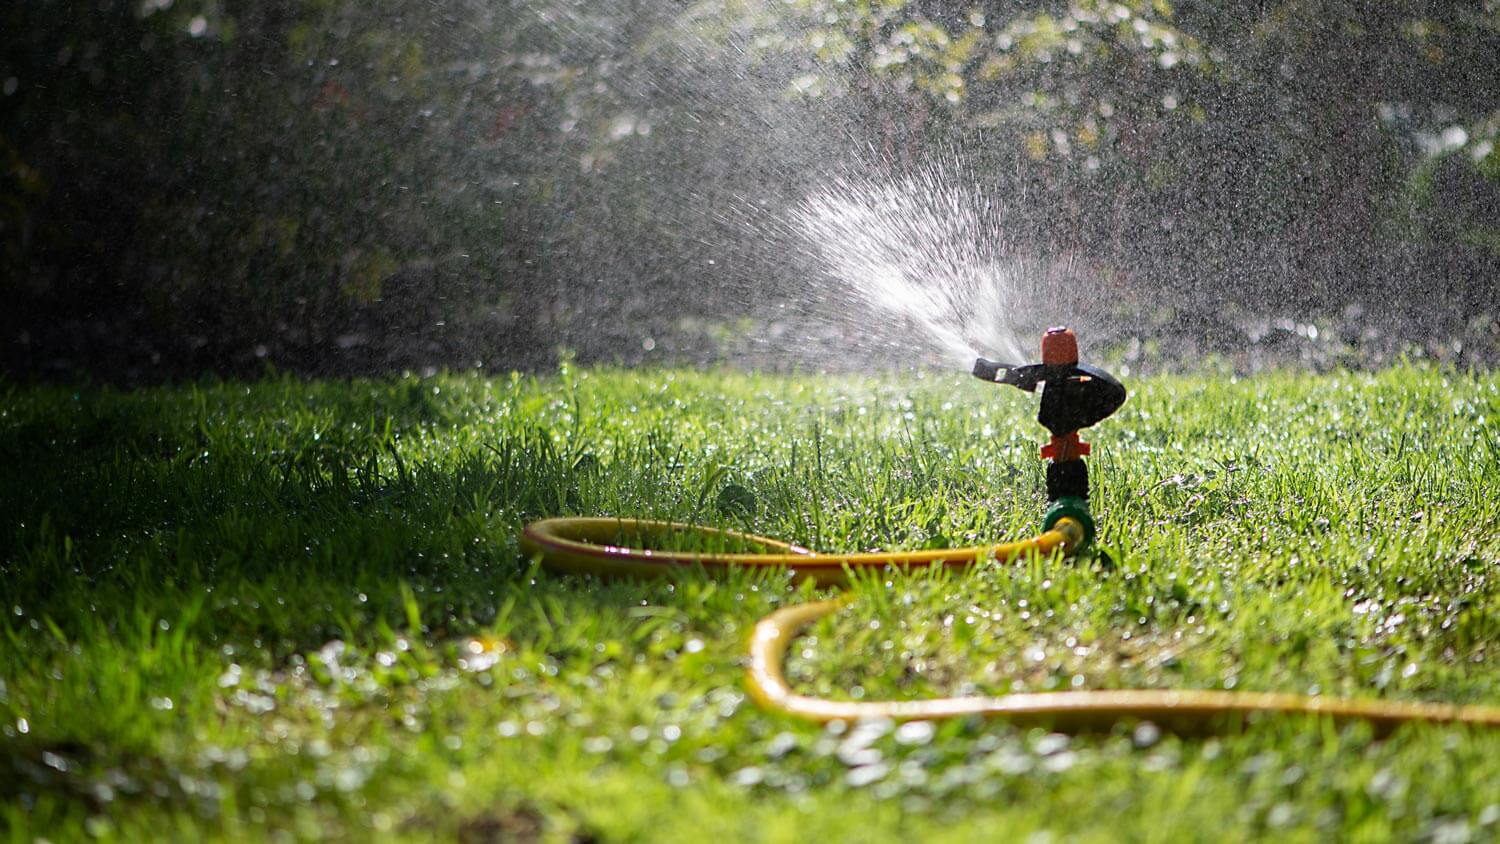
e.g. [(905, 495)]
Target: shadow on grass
[(287, 516)]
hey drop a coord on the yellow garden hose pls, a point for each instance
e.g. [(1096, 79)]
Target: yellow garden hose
[(611, 547), (633, 548)]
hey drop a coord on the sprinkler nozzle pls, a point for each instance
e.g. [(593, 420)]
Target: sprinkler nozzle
[(994, 371)]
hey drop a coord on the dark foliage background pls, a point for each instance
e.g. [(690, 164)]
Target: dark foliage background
[(333, 186)]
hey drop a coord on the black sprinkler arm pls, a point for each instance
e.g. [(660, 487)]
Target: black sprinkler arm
[(1015, 375)]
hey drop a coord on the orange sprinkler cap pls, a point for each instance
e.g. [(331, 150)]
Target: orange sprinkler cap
[(1059, 347), (1066, 447)]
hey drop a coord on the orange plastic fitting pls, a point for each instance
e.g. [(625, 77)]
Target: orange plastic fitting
[(1059, 347), (1065, 448)]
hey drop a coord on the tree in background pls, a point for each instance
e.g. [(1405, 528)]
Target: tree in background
[(338, 186)]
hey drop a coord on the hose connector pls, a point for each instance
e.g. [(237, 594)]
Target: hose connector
[(1076, 509)]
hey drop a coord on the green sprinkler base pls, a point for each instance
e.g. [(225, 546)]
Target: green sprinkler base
[(1072, 508)]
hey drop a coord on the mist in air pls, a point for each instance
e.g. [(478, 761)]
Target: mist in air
[(194, 187)]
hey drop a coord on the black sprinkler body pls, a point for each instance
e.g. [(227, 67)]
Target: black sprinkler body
[(1075, 397)]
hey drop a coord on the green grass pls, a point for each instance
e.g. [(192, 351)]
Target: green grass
[(241, 610)]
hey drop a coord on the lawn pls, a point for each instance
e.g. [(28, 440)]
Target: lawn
[(299, 609)]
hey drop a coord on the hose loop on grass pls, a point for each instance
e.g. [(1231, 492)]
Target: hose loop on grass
[(642, 548)]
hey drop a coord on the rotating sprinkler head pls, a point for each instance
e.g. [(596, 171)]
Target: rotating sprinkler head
[(1074, 396)]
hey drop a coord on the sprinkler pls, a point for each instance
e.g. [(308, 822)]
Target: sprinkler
[(1074, 396)]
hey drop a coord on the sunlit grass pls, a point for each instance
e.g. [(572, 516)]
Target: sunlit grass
[(229, 609)]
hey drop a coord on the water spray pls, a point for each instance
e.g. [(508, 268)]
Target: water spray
[(1074, 396), (926, 248)]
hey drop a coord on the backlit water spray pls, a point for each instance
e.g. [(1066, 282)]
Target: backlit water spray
[(924, 250)]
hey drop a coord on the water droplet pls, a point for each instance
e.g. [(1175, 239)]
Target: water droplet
[(1145, 734), (1051, 743), (747, 777), (915, 733), (866, 774)]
